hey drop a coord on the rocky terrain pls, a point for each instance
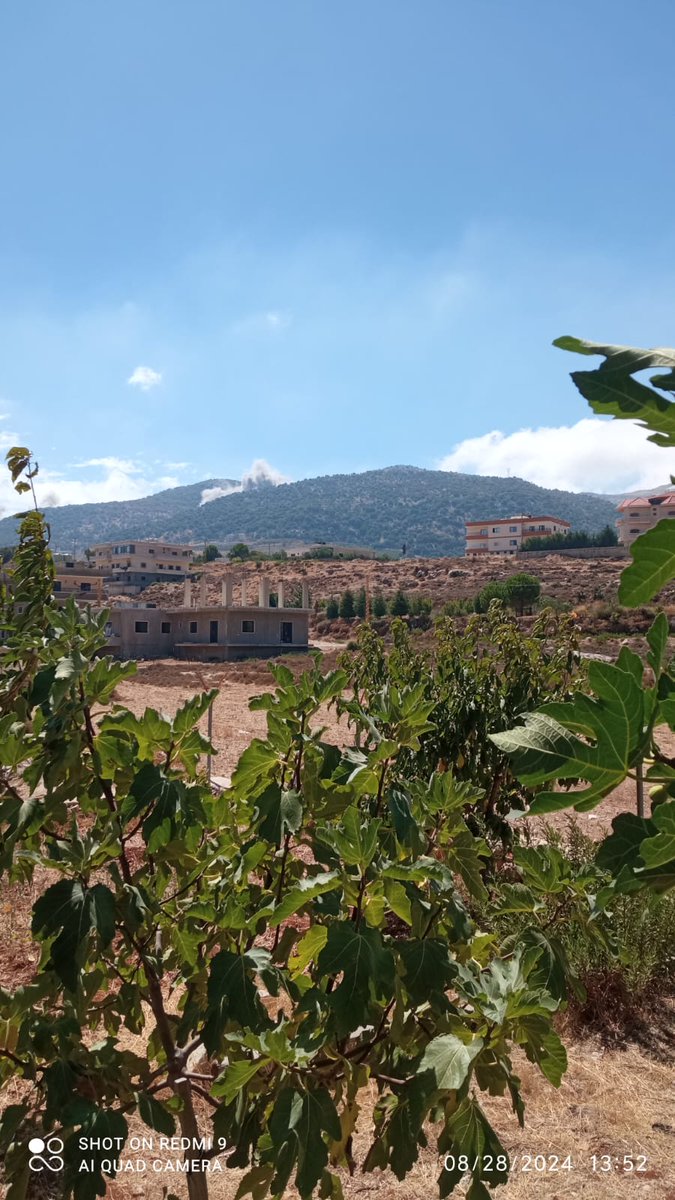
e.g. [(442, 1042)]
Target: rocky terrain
[(575, 580)]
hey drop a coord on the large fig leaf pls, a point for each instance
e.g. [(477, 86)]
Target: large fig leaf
[(593, 738)]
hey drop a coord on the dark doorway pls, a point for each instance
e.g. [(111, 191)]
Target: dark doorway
[(213, 631), (287, 632)]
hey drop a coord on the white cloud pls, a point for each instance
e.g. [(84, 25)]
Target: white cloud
[(259, 473), (144, 378), (126, 465), (114, 479), (591, 456)]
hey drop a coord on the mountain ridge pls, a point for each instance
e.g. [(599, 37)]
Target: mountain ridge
[(382, 508)]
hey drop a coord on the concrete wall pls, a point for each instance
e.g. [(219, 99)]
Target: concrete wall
[(578, 552), (189, 633), (126, 642)]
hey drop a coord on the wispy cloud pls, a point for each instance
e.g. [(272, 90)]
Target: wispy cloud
[(259, 474), (590, 456), (144, 378), (113, 479), (272, 321)]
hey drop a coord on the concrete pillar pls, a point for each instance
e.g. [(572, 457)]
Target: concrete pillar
[(281, 594), (187, 594), (202, 591), (305, 595), (226, 595), (263, 593), (243, 591)]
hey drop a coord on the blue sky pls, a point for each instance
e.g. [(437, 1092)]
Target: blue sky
[(330, 237)]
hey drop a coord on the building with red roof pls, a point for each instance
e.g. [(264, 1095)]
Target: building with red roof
[(641, 513)]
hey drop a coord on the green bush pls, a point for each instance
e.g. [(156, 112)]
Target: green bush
[(332, 608)]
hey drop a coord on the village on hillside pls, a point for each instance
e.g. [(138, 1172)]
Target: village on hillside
[(166, 601)]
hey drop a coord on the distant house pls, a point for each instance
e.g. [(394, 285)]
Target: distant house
[(507, 535), (212, 632), (80, 579), (131, 566), (642, 513)]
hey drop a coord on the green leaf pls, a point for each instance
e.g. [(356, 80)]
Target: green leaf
[(447, 1060), (10, 1121), (64, 909), (660, 849), (622, 847), (541, 867), (155, 1114), (653, 565), (190, 713), (428, 968), (366, 965), (232, 997), (468, 1132), (296, 1127), (102, 905), (614, 392), (303, 893), (544, 1047), (657, 638), (308, 948), (548, 746), (237, 1075), (278, 813)]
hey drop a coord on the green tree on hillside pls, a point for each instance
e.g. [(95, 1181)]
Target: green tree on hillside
[(239, 551), (211, 553), (522, 591), (398, 605), (379, 605), (347, 607)]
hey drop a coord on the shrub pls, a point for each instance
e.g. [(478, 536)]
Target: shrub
[(332, 608)]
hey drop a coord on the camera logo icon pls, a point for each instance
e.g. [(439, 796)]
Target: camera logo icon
[(45, 1154)]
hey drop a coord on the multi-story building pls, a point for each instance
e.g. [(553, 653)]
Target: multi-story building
[(132, 566), (507, 535), (83, 580), (198, 630), (642, 513)]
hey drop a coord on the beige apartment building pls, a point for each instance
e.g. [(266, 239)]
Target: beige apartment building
[(642, 513), (132, 566), (254, 628), (508, 535), (83, 580)]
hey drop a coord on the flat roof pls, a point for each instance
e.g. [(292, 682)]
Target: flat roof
[(511, 520)]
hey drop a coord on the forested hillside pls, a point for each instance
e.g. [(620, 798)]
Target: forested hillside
[(385, 508)]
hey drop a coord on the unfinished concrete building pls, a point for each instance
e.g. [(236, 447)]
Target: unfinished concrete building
[(197, 630)]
